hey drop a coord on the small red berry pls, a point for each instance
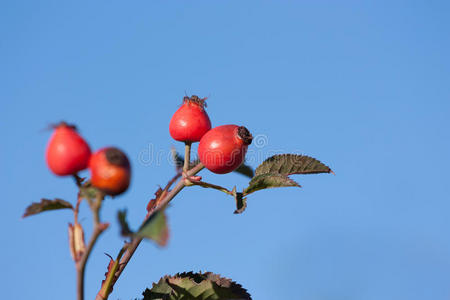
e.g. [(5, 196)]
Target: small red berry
[(223, 148), (67, 152), (110, 171), (190, 122)]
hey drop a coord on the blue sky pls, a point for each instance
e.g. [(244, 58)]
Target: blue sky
[(361, 85)]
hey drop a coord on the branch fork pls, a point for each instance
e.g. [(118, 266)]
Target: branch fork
[(188, 178)]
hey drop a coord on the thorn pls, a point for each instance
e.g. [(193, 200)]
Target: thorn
[(108, 255), (103, 226), (195, 178)]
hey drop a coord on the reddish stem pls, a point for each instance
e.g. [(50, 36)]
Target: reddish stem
[(135, 242)]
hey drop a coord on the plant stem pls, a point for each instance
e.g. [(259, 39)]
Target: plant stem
[(76, 210), (212, 186), (135, 242), (98, 229), (106, 287), (187, 156)]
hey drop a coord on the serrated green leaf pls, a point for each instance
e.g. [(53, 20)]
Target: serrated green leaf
[(270, 180), (46, 205), (196, 286), (245, 170), (288, 164), (155, 228)]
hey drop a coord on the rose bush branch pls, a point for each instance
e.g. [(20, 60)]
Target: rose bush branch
[(112, 269), (130, 248), (221, 150), (99, 228)]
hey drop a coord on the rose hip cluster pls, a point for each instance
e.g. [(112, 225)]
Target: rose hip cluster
[(68, 153), (222, 149)]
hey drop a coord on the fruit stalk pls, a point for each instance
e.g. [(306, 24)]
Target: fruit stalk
[(187, 156)]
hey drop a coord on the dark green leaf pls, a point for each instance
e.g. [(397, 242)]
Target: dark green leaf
[(155, 228), (245, 170), (270, 180), (124, 227), (196, 286), (287, 164), (45, 205)]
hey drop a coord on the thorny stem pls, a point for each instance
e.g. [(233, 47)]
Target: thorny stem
[(98, 229), (163, 194), (135, 242), (111, 274), (107, 285)]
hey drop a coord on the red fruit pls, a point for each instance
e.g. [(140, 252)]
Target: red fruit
[(67, 152), (223, 148), (190, 122), (110, 171)]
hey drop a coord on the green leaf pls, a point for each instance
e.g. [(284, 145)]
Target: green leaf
[(245, 170), (45, 205), (124, 227), (241, 202), (196, 286), (155, 228), (270, 180), (287, 164)]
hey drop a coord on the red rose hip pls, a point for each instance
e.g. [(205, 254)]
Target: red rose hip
[(67, 152), (223, 148), (190, 122), (110, 171)]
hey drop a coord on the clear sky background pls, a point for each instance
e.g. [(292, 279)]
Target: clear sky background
[(361, 85)]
